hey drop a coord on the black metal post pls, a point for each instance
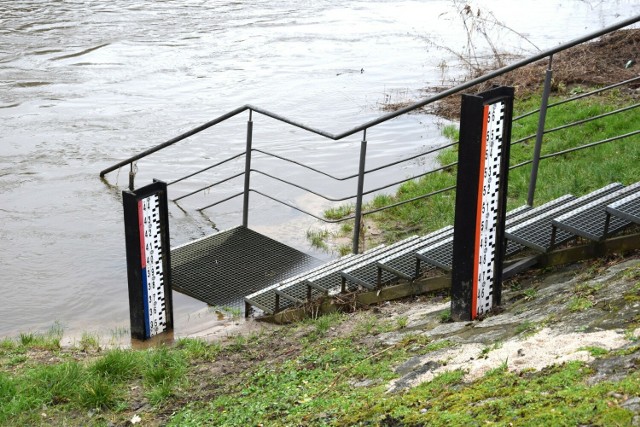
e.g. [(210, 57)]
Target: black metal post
[(541, 122), (247, 171), (358, 213), (132, 177)]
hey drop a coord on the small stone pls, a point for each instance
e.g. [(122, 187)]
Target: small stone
[(520, 352), (423, 410), (632, 404)]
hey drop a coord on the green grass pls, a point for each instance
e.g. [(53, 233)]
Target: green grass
[(575, 173), (327, 373)]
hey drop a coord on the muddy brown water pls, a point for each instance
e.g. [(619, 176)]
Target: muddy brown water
[(84, 84)]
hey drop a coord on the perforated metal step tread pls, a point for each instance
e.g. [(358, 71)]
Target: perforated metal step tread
[(220, 269), (590, 220), (627, 208), (536, 233), (403, 263), (268, 299), (265, 299), (331, 282), (366, 275), (441, 254)]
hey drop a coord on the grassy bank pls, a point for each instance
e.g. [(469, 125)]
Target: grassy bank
[(334, 370), (574, 173)]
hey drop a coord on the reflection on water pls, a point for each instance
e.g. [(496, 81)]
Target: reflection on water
[(88, 83)]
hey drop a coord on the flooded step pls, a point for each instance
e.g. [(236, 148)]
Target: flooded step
[(220, 269)]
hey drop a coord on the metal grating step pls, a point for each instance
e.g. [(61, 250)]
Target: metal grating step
[(403, 263), (536, 233), (304, 290), (264, 299), (365, 274), (220, 269), (627, 208), (441, 254), (331, 282), (590, 221), (268, 300)]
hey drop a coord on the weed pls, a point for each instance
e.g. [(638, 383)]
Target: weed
[(117, 365), (530, 294), (323, 323), (526, 328), (89, 342), (98, 392), (119, 333), (595, 351), (238, 344), (344, 249), (317, 239), (579, 303), (402, 322), (346, 228), (451, 132), (48, 341), (445, 316), (339, 212), (196, 348)]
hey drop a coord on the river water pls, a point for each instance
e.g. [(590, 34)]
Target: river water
[(84, 84)]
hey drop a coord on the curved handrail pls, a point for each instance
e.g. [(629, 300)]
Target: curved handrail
[(385, 117)]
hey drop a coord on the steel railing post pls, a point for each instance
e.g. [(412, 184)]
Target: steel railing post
[(540, 132), (247, 171), (358, 213), (132, 177)]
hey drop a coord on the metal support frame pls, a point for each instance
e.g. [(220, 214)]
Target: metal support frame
[(540, 132), (358, 213), (247, 171)]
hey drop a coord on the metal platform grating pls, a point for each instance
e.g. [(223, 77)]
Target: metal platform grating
[(536, 233), (220, 269), (439, 255), (627, 208), (590, 221)]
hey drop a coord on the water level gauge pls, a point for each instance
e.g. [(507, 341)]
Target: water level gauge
[(481, 191), (148, 266)]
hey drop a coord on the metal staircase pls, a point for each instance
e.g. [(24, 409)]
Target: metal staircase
[(540, 229), (223, 268)]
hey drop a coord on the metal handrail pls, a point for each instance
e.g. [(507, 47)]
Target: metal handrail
[(385, 117), (365, 126)]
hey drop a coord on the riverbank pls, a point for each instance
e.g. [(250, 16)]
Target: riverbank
[(564, 351)]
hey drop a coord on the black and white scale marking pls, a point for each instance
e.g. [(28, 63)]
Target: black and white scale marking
[(488, 202), (152, 270)]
